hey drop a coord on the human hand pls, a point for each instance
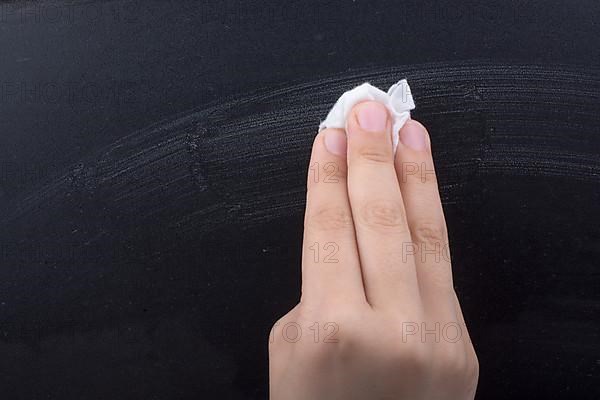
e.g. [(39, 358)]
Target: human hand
[(378, 317)]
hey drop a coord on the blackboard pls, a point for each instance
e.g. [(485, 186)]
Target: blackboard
[(153, 159)]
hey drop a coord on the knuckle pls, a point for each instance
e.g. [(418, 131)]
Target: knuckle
[(334, 172), (427, 174), (457, 363), (383, 215), (452, 359), (472, 372), (274, 337), (328, 218), (418, 172), (275, 333), (318, 355), (429, 232), (376, 154), (339, 333), (416, 357)]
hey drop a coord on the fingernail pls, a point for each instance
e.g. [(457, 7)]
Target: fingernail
[(335, 142), (372, 117), (412, 135)]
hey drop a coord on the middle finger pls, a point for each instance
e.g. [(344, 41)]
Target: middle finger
[(389, 275)]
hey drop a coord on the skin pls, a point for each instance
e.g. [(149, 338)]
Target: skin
[(378, 317)]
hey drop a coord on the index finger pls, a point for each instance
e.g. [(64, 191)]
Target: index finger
[(330, 263)]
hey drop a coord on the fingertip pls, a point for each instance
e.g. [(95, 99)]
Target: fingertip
[(335, 142), (415, 124), (370, 116), (414, 136)]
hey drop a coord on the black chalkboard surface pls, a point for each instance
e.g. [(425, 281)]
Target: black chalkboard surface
[(153, 158)]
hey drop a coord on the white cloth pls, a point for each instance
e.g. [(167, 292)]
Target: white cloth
[(398, 100)]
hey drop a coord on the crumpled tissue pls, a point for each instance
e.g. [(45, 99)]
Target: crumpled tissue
[(398, 100)]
